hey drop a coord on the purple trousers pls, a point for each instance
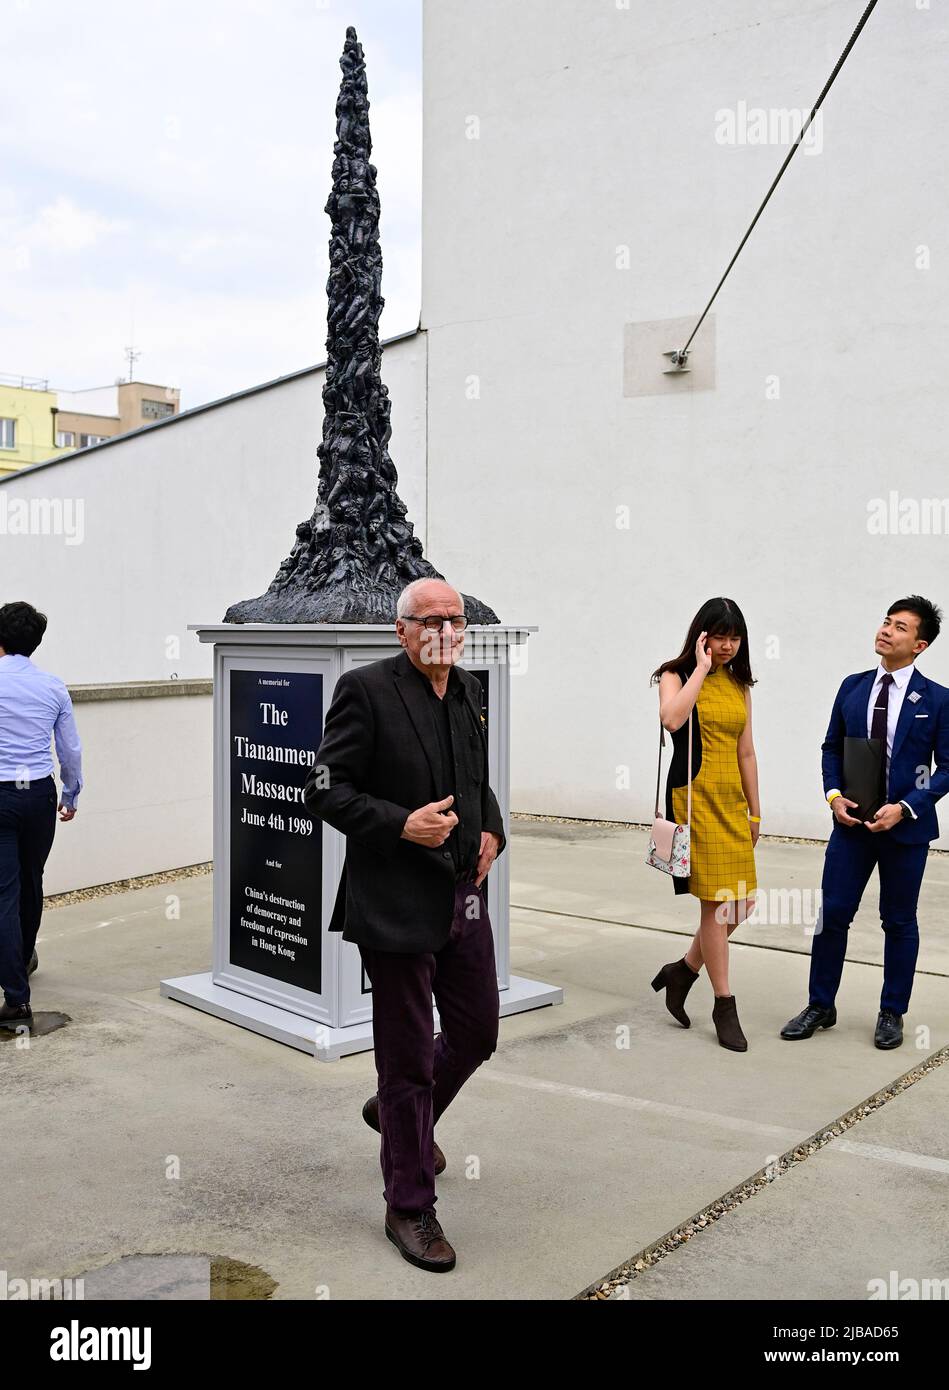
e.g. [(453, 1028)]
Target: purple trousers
[(419, 1075)]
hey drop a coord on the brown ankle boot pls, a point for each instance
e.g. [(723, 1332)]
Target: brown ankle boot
[(725, 1018), (676, 979), (420, 1239)]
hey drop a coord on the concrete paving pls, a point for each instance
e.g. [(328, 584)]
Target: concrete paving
[(598, 1126), (600, 874), (858, 1220)]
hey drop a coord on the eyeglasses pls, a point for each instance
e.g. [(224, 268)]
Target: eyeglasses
[(435, 621)]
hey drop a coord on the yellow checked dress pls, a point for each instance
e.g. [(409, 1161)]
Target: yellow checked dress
[(722, 859)]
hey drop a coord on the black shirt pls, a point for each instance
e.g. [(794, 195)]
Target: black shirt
[(455, 744)]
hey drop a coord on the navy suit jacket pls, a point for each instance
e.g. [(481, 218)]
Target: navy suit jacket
[(922, 736)]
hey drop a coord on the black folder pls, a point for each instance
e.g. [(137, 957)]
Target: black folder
[(863, 776)]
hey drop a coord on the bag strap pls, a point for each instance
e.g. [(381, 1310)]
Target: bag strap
[(662, 740)]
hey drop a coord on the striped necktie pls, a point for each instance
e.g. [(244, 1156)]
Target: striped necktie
[(878, 726)]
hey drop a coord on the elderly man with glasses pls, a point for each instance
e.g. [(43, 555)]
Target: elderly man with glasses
[(402, 772)]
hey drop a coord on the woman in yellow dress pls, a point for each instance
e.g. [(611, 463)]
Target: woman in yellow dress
[(709, 683)]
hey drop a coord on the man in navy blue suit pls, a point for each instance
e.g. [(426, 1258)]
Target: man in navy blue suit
[(896, 703)]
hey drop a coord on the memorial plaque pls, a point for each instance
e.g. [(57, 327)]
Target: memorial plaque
[(276, 721)]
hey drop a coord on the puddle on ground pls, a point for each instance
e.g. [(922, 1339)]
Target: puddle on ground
[(42, 1023), (176, 1276), (234, 1280)]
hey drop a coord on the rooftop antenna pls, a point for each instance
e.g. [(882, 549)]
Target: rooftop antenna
[(133, 357)]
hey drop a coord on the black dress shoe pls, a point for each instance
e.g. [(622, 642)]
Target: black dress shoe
[(370, 1113), (804, 1024), (889, 1029), (13, 1015), (420, 1239)]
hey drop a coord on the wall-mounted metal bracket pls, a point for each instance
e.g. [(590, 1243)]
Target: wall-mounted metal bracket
[(677, 362)]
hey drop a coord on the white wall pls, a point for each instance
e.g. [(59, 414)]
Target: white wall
[(146, 800), (597, 131), (184, 518)]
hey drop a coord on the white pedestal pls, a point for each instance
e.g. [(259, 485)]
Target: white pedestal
[(276, 968), (322, 1042)]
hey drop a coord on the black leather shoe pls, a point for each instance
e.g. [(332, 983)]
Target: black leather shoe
[(806, 1023), (14, 1015), (889, 1029), (420, 1239), (370, 1113), (34, 962)]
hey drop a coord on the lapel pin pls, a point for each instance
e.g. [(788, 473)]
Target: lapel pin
[(914, 696)]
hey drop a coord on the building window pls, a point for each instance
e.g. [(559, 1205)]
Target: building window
[(7, 434), (156, 410), (65, 439), (86, 439)]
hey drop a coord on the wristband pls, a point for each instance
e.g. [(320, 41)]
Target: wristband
[(756, 819), (832, 795)]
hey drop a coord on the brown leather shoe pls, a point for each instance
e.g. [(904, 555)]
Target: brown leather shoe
[(370, 1113), (676, 978), (420, 1239), (725, 1018)]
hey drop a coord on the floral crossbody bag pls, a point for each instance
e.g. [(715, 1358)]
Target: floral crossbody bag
[(669, 842)]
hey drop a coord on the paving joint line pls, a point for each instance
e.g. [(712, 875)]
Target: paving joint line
[(604, 1289), (675, 931)]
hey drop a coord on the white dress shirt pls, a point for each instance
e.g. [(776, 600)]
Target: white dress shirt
[(894, 703)]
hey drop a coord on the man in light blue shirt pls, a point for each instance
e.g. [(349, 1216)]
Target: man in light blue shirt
[(34, 709)]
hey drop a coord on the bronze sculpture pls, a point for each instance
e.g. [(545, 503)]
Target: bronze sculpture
[(357, 550)]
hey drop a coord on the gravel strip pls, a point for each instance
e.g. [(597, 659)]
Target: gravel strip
[(124, 885), (640, 825), (611, 1286)]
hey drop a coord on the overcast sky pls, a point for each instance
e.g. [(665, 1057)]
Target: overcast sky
[(163, 172)]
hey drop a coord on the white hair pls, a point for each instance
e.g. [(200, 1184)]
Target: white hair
[(407, 596)]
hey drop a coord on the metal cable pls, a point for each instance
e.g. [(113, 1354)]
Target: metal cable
[(679, 358)]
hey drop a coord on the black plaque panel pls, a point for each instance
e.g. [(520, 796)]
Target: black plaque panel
[(276, 846)]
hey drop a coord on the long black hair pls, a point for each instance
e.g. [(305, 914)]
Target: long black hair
[(718, 617)]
